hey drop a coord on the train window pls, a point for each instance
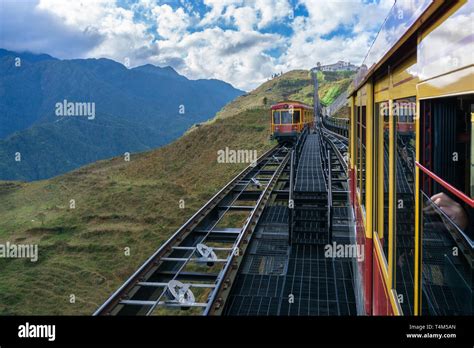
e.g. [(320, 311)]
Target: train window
[(405, 107), (446, 276), (451, 127), (472, 151), (446, 142), (276, 117), (386, 114), (362, 154), (296, 116), (354, 138), (285, 117), (386, 148), (381, 172), (357, 110), (404, 203)]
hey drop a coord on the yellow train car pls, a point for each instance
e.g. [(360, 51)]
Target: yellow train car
[(411, 140)]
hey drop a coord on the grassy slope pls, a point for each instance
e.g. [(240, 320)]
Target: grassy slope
[(122, 204), (332, 84)]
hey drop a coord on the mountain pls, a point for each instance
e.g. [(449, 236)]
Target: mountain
[(30, 57), (121, 204), (135, 110)]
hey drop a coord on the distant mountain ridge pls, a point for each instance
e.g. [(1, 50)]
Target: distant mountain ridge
[(31, 57), (136, 109)]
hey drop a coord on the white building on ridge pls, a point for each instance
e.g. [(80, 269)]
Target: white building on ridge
[(339, 66)]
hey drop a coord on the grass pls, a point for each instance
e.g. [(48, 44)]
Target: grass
[(121, 206), (118, 205), (332, 84)]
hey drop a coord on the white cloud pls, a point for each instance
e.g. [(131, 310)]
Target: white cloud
[(245, 18), (25, 27), (310, 42), (229, 55), (171, 24), (225, 41), (121, 36), (246, 14), (326, 16)]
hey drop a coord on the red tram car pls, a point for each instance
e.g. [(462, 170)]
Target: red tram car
[(288, 119)]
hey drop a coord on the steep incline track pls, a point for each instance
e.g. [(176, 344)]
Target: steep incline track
[(189, 270), (246, 251), (287, 271)]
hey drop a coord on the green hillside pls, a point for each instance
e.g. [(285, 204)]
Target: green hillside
[(120, 205), (333, 83)]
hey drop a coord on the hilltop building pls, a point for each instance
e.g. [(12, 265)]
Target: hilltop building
[(339, 66)]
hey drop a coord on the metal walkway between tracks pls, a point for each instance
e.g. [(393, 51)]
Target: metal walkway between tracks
[(309, 174), (291, 275)]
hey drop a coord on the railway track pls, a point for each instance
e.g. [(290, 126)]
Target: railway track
[(339, 143), (192, 269), (196, 268), (286, 271)]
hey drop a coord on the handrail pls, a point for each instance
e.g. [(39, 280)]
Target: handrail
[(450, 188), (337, 125)]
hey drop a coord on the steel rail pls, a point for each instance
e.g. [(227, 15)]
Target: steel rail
[(193, 249), (334, 147), (228, 274), (186, 228)]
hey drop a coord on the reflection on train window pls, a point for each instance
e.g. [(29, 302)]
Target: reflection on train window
[(451, 123), (404, 110), (472, 151), (381, 119), (358, 147), (447, 130), (285, 117), (276, 117), (386, 144), (362, 153), (446, 277)]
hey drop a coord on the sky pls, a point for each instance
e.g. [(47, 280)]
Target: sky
[(242, 42)]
